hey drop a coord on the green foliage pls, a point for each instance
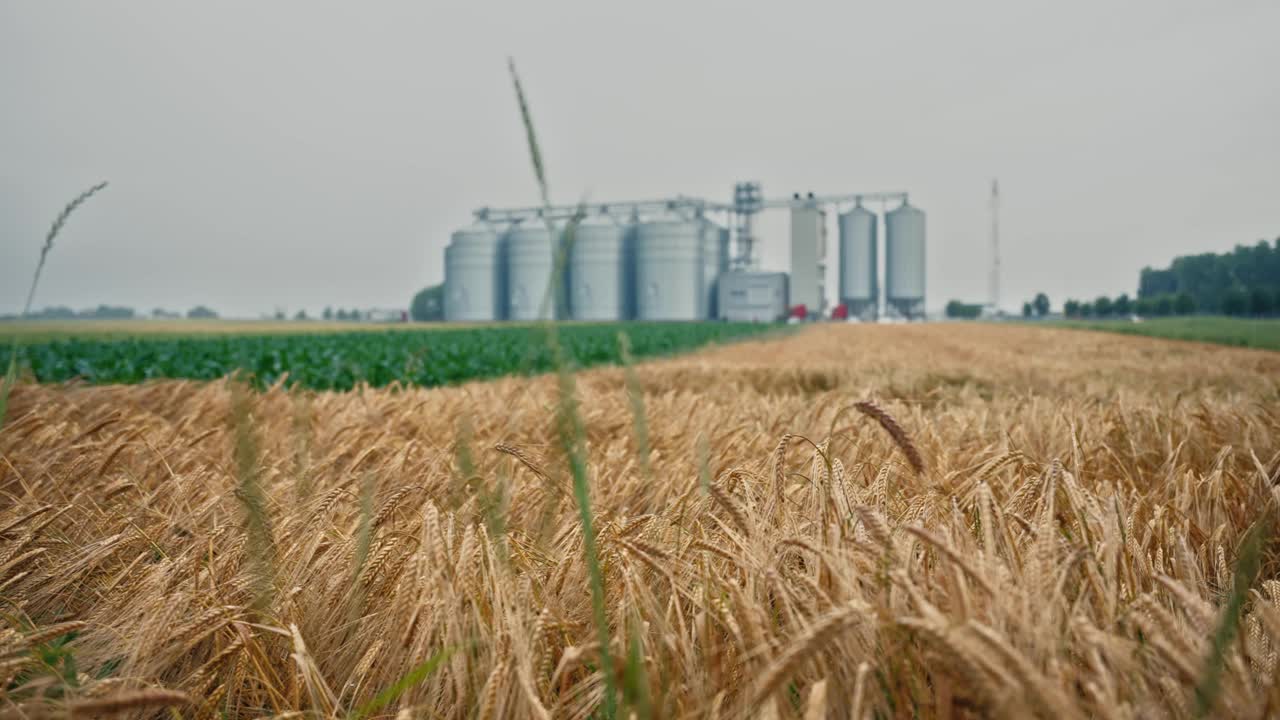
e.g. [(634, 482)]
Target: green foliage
[(1071, 308), (1209, 277), (1102, 306), (1027, 310), (428, 304), (1122, 306), (1235, 302), (1260, 302), (53, 675), (339, 361), (1041, 304), (1184, 304), (957, 309), (201, 312)]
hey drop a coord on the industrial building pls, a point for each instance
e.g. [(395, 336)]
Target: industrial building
[(683, 259)]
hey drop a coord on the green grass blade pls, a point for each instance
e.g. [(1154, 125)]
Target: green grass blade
[(1248, 564), (411, 678), (6, 386), (260, 545), (569, 421), (636, 677), (54, 229), (635, 397), (11, 375), (572, 438)]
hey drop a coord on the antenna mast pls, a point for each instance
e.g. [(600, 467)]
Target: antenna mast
[(994, 280)]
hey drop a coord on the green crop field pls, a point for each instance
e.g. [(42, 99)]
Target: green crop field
[(40, 331), (1241, 332), (339, 361)]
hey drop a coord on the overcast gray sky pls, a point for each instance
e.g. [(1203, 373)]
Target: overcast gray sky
[(299, 154)]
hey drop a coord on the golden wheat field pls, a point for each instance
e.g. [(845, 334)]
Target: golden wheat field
[(1069, 548)]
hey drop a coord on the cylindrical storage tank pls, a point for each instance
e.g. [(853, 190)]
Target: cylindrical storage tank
[(669, 270), (904, 260), (714, 255), (473, 275), (531, 253), (859, 282), (600, 277)]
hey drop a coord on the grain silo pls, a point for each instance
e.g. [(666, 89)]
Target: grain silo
[(530, 261), (859, 273), (669, 269), (600, 271), (904, 261), (715, 261), (473, 275)]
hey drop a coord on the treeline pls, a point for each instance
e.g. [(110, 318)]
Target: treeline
[(108, 312), (1245, 281), (1124, 306)]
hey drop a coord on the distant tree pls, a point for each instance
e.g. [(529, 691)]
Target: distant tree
[(1260, 302), (1184, 304), (1144, 307), (1086, 310), (108, 312), (60, 312), (1027, 310), (428, 304), (1071, 308), (1164, 305), (328, 313), (1102, 306), (342, 314), (201, 312), (1235, 302), (963, 311), (301, 315), (1153, 283), (1123, 306), (1041, 304)]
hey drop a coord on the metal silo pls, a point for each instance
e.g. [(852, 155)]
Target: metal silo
[(600, 277), (669, 270), (859, 276), (715, 257), (531, 253), (473, 275), (904, 260)]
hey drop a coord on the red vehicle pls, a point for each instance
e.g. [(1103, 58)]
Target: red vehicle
[(840, 312), (799, 312)]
